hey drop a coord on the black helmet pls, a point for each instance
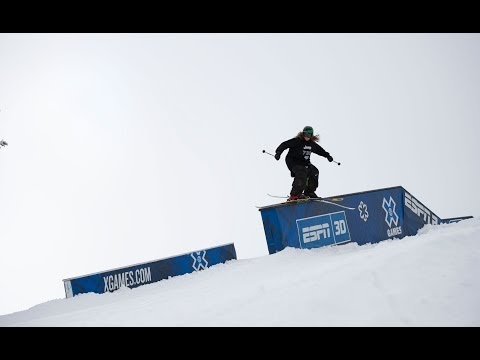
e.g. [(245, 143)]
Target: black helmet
[(308, 131)]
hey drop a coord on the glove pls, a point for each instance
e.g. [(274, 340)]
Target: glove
[(329, 158), (277, 156)]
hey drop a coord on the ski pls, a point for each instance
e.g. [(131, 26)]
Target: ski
[(333, 203), (292, 202), (285, 203), (336, 199), (278, 196)]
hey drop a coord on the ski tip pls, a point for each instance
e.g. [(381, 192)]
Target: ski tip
[(334, 199)]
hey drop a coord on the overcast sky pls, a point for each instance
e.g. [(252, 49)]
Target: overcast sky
[(125, 148)]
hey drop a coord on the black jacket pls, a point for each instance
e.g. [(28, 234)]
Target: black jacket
[(300, 150)]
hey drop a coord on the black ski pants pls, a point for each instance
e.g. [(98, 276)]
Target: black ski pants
[(305, 178)]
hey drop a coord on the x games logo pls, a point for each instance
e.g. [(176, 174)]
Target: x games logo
[(199, 261), (391, 217)]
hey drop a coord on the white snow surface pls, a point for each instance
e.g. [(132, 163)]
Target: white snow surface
[(431, 279)]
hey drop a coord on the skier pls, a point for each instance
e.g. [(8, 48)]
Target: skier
[(3, 143), (298, 162)]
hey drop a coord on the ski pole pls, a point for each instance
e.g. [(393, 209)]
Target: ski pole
[(336, 162), (266, 152)]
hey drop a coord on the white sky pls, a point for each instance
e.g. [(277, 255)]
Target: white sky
[(125, 148), (426, 280)]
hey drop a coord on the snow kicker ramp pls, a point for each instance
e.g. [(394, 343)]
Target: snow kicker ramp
[(364, 217)]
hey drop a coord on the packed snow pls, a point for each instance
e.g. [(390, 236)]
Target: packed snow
[(431, 279)]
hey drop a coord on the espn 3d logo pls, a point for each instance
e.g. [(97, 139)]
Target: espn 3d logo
[(323, 230)]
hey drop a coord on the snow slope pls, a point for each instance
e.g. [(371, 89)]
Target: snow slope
[(431, 279)]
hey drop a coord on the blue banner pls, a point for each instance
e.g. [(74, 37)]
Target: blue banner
[(417, 215), (373, 216), (147, 273)]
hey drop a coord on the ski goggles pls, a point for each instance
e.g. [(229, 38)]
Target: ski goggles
[(308, 133)]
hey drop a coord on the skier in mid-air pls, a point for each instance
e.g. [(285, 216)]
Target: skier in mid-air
[(298, 162)]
